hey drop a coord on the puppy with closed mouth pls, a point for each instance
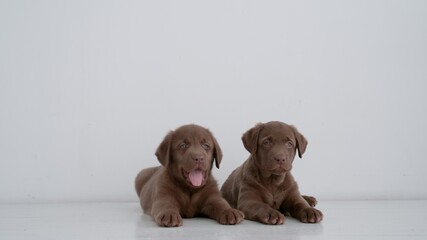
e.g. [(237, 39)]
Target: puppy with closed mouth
[(263, 186), (183, 187)]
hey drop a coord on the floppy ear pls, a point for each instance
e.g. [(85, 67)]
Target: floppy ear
[(301, 142), (163, 150), (250, 138), (217, 153)]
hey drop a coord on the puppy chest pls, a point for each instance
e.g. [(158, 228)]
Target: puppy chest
[(274, 199), (189, 211), (189, 207), (277, 201)]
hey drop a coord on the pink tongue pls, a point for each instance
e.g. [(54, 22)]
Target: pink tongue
[(196, 177)]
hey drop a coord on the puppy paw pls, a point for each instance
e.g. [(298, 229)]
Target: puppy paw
[(312, 201), (272, 217), (310, 215), (168, 219), (231, 217)]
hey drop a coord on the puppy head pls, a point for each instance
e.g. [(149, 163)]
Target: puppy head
[(188, 154), (273, 145)]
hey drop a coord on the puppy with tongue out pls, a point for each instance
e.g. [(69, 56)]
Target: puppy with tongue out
[(183, 187), (196, 177)]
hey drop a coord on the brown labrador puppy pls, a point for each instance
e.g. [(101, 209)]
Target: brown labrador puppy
[(263, 186), (183, 185)]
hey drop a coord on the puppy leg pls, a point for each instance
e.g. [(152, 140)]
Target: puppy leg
[(166, 214), (312, 201), (217, 208), (263, 213), (299, 208), (255, 209)]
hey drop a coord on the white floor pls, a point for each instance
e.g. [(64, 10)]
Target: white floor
[(343, 220)]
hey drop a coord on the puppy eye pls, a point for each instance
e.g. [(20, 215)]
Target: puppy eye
[(289, 144), (266, 143), (183, 146), (206, 146)]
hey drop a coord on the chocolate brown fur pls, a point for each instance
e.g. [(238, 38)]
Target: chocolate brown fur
[(263, 186), (167, 192)]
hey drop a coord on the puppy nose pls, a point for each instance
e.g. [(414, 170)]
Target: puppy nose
[(198, 157), (280, 158)]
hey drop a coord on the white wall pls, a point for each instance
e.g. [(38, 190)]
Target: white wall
[(88, 89)]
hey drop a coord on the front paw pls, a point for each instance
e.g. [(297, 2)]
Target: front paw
[(271, 217), (312, 201), (168, 219), (310, 215), (231, 217)]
